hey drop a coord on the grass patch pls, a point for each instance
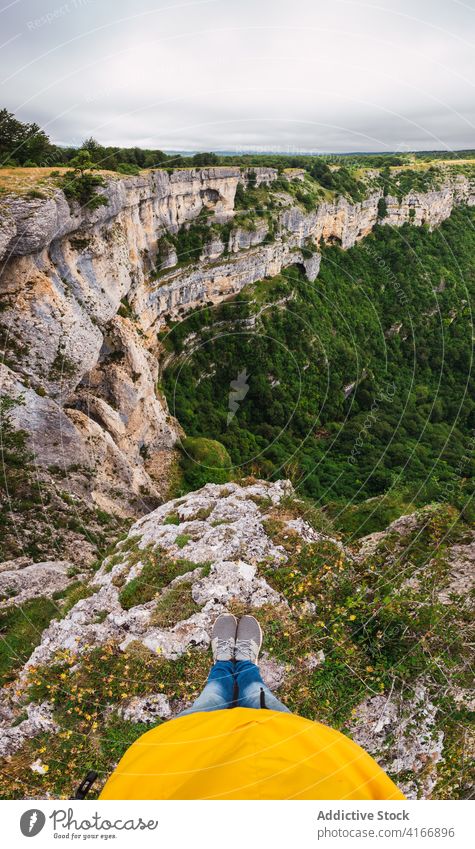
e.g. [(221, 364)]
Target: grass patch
[(202, 514), (172, 519), (118, 734), (182, 539), (20, 630), (72, 594), (174, 605), (367, 517), (89, 736), (157, 572)]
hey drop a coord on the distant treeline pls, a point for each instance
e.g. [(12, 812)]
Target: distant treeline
[(26, 144)]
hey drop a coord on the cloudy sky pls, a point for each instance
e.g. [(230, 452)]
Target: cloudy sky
[(287, 75)]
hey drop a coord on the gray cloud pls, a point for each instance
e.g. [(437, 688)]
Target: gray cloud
[(230, 74)]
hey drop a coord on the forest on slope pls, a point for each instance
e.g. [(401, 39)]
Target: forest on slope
[(355, 385)]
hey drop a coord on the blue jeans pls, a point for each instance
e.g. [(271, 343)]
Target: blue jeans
[(234, 684)]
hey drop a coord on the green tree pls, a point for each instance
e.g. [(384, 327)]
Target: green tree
[(382, 208), (20, 142), (80, 184)]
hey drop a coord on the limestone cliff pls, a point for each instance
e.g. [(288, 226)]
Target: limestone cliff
[(85, 362)]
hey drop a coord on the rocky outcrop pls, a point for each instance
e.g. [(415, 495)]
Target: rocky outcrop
[(415, 744), (250, 256), (155, 198), (239, 547), (178, 291), (215, 539), (38, 579), (37, 721), (222, 528)]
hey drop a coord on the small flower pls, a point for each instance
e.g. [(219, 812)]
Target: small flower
[(39, 767)]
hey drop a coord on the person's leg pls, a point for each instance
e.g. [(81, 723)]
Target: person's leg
[(218, 691), (252, 692)]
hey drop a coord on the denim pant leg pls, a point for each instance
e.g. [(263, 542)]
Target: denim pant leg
[(218, 691), (252, 692)]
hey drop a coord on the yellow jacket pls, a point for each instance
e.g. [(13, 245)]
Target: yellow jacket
[(244, 753)]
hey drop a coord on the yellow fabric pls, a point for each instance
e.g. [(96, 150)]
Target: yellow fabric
[(247, 754)]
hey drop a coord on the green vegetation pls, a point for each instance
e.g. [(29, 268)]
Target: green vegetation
[(15, 456), (22, 144), (372, 515), (175, 605), (203, 461), (391, 320), (172, 519), (339, 179), (80, 184), (128, 168), (190, 240), (254, 200), (71, 595), (90, 737), (157, 572), (382, 208), (181, 540), (19, 488), (21, 627), (27, 145), (401, 181), (20, 632)]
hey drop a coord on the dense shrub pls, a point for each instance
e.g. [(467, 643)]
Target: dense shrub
[(204, 461)]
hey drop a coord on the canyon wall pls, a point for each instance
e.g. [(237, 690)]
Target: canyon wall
[(82, 302)]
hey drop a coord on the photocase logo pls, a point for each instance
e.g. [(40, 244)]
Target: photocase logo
[(32, 822), (237, 393)]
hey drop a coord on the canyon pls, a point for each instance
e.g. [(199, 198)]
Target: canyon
[(85, 295)]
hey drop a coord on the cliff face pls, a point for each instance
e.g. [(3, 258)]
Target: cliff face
[(86, 374), (87, 366)]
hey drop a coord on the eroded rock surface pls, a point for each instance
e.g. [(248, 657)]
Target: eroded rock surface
[(37, 579), (416, 744)]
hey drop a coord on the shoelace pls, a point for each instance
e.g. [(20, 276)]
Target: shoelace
[(244, 647), (225, 646)]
